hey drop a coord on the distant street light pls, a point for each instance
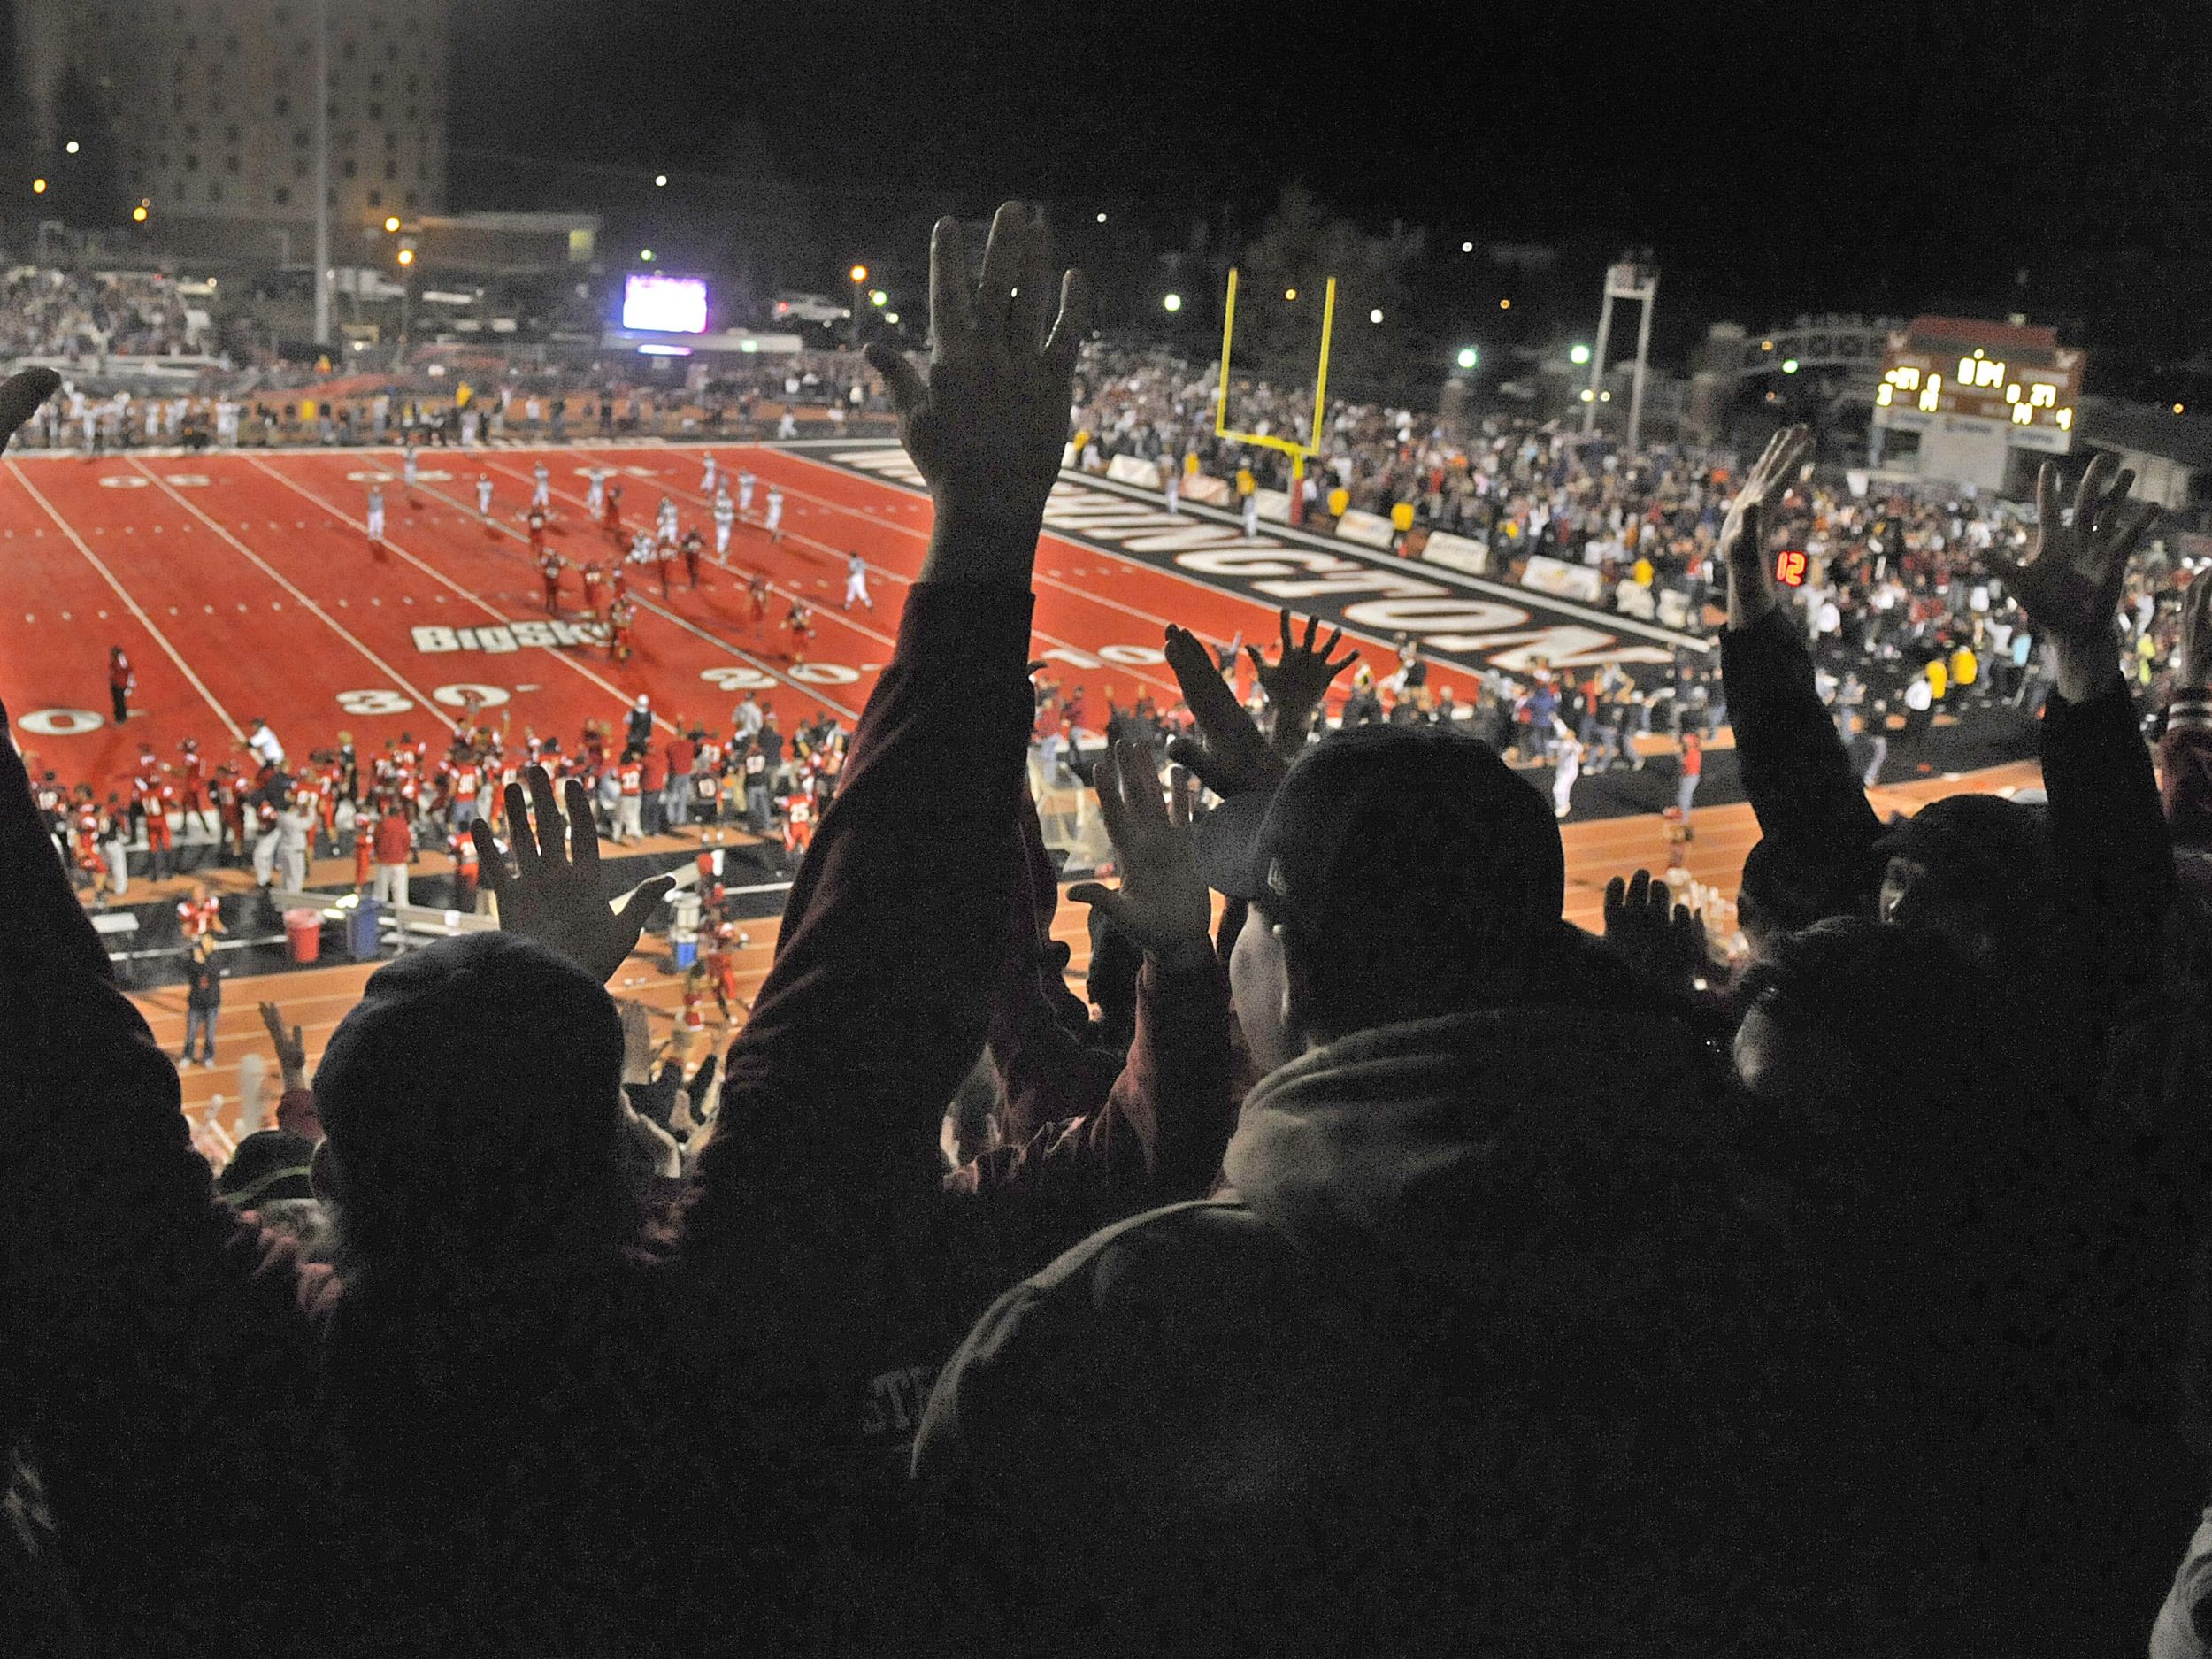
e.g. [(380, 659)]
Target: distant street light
[(1468, 357), (892, 318), (660, 180), (1789, 365), (859, 274), (1172, 303), (70, 146), (1374, 316), (645, 254), (1102, 219), (1290, 294), (1466, 247), (1589, 396), (138, 214), (878, 297), (407, 255), (391, 223), (38, 187), (1578, 355), (1505, 305)]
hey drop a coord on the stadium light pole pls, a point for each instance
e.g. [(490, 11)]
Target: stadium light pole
[(859, 274), (322, 172), (1630, 279)]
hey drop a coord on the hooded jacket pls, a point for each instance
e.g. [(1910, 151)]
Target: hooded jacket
[(1464, 1360)]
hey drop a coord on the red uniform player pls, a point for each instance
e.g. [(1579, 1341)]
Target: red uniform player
[(798, 823), (549, 567), (160, 837), (192, 784), (756, 591), (613, 519), (800, 624), (693, 545), (595, 590), (535, 519), (618, 621), (200, 914)]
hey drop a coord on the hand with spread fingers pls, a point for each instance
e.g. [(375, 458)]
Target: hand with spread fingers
[(552, 896), (1229, 756), (1743, 533), (1162, 902), (2069, 585), (1664, 942), (987, 424), (1297, 680)]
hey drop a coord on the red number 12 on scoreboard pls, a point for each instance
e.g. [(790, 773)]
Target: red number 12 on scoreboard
[(1789, 568)]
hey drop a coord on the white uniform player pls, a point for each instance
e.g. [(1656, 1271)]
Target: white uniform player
[(484, 495), (744, 495), (1252, 517), (376, 512), (724, 515), (667, 525), (788, 426), (775, 513), (857, 583), (706, 480), (407, 465), (594, 492), (541, 487)]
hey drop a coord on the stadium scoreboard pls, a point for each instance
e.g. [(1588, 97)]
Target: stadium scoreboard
[(1999, 379)]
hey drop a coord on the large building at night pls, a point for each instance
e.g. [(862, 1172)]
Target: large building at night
[(208, 106)]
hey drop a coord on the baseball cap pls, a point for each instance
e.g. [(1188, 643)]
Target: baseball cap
[(1448, 818), (269, 1164)]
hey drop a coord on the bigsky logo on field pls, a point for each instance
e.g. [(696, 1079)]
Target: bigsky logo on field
[(1480, 623)]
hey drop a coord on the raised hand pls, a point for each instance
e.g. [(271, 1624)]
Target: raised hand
[(1298, 680), (291, 1047), (1663, 941), (2192, 658), (2070, 584), (1162, 902), (1743, 544), (551, 896), (1229, 756), (988, 425), (21, 395)]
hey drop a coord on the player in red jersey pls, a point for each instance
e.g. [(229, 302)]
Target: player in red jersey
[(619, 623), (756, 591), (535, 519), (798, 826), (665, 555), (613, 519), (693, 545), (800, 624), (192, 785), (595, 590), (160, 836)]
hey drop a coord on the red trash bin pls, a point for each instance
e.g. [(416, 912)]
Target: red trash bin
[(304, 932)]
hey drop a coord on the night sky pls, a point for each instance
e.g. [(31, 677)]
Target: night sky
[(1878, 157)]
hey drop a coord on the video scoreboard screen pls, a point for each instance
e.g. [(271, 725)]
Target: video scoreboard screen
[(2012, 377), (660, 304)]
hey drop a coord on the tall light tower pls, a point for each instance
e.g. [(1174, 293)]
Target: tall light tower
[(322, 172), (1630, 279)]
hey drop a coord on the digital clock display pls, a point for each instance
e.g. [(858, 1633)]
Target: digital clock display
[(1789, 567)]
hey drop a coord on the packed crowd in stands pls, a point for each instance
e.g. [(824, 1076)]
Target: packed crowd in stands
[(86, 317), (1367, 1262)]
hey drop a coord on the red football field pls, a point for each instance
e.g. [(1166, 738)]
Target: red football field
[(243, 586)]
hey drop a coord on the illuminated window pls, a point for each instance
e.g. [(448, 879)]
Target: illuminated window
[(1932, 397), (1989, 373), (1885, 394), (1906, 379), (2043, 395), (1966, 370), (2023, 414), (2012, 393), (2065, 420)]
